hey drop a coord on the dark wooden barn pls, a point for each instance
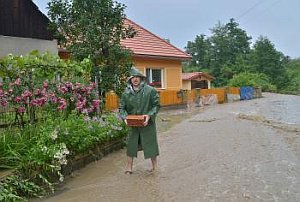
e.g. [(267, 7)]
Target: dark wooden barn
[(22, 18)]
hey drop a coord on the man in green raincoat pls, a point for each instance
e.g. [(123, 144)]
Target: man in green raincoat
[(140, 99)]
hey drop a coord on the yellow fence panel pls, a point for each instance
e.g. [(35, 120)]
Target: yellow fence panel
[(170, 97), (233, 90), (220, 92), (173, 97), (112, 101)]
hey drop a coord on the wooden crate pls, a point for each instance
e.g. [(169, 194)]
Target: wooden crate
[(135, 120)]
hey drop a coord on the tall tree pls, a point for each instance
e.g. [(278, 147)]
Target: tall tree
[(93, 29), (266, 59), (293, 69), (220, 53), (228, 42), (199, 50)]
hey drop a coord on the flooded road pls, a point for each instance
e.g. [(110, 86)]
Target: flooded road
[(242, 151)]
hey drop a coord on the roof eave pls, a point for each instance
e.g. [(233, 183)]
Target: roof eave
[(163, 57)]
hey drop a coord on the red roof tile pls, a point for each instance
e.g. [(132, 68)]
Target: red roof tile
[(146, 43), (195, 75)]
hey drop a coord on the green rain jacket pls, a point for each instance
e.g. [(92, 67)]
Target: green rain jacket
[(142, 102)]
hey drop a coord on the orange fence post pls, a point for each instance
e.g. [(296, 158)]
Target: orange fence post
[(112, 101)]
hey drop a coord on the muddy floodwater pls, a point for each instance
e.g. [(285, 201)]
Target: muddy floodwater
[(241, 151)]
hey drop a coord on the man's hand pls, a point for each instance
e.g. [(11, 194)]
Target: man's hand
[(147, 118), (125, 120)]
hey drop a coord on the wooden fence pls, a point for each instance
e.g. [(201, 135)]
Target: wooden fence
[(220, 92), (233, 90), (112, 101), (173, 97)]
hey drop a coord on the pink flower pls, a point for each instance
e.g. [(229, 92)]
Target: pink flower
[(96, 103), (88, 90), (63, 104), (63, 89), (69, 85), (39, 102), (44, 92), (37, 92), (21, 110), (18, 82), (26, 94), (45, 84), (54, 100), (80, 105), (93, 85), (78, 85), (18, 99), (91, 109), (79, 97), (2, 94), (3, 103)]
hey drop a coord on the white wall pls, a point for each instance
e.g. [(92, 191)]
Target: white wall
[(22, 46)]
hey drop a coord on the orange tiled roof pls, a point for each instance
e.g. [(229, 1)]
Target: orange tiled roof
[(195, 75), (148, 44)]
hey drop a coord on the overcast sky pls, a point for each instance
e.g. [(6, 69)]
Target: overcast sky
[(181, 20)]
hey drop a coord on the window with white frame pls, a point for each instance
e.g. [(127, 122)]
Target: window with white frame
[(155, 77)]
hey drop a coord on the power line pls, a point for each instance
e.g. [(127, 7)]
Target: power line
[(261, 12), (250, 9), (273, 4)]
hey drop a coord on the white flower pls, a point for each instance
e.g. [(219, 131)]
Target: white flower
[(63, 161), (66, 151), (54, 134), (66, 132), (61, 154), (61, 178), (44, 149)]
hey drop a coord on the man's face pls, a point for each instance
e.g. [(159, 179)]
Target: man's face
[(136, 81)]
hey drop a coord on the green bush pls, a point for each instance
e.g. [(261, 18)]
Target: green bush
[(36, 153), (253, 80)]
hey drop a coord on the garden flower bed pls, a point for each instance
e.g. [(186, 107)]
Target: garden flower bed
[(42, 155), (51, 127)]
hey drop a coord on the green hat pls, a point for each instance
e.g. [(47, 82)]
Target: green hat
[(136, 72)]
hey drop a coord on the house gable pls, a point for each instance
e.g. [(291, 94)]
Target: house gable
[(22, 18), (196, 80)]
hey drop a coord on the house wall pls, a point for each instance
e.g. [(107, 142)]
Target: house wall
[(22, 46), (172, 70)]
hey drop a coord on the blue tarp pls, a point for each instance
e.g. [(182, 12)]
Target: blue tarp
[(246, 93)]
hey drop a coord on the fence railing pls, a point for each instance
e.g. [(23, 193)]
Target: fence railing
[(8, 117), (174, 97)]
